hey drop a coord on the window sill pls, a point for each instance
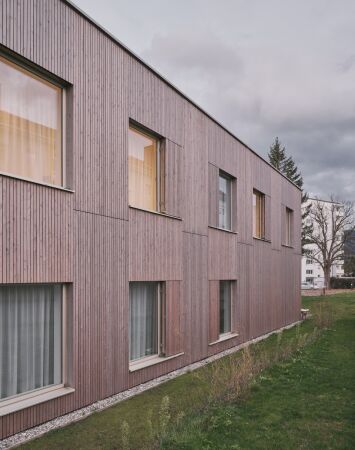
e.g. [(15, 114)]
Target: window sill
[(287, 246), (170, 216), (262, 239), (33, 398), (133, 367), (224, 337), (39, 183), (223, 229)]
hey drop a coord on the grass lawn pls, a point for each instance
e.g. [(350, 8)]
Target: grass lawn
[(304, 402)]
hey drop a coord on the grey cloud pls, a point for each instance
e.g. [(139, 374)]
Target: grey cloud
[(261, 68)]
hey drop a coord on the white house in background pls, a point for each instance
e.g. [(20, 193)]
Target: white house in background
[(312, 272)]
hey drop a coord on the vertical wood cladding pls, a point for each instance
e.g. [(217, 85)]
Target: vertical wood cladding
[(171, 168), (93, 241), (35, 233), (222, 255), (213, 310), (173, 315)]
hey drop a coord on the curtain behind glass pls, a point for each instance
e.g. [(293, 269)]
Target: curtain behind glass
[(142, 166), (224, 203), (30, 125), (143, 319), (225, 307), (30, 338)]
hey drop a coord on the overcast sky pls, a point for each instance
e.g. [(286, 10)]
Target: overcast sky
[(263, 68)]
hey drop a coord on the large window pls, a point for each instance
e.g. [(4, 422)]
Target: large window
[(145, 314), (288, 225), (224, 202), (258, 214), (30, 125), (30, 338), (143, 166), (225, 294)]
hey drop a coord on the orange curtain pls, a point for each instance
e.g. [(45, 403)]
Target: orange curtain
[(142, 163), (30, 126)]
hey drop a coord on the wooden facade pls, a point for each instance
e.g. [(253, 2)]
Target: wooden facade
[(87, 236)]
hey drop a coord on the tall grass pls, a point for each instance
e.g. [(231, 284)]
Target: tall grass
[(230, 378)]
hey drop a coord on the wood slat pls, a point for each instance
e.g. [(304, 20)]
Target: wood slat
[(91, 240)]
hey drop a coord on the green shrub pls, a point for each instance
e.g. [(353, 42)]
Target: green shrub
[(342, 283)]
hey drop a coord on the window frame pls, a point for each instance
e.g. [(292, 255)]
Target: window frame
[(135, 126), (43, 77), (10, 402), (261, 195), (288, 227), (230, 179), (226, 333), (160, 325)]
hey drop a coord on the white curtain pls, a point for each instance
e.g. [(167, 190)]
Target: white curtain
[(143, 319), (30, 337), (225, 307), (224, 203)]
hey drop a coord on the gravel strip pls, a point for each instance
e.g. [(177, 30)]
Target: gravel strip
[(79, 414)]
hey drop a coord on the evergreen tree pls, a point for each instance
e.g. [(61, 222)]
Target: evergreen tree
[(277, 155), (287, 166)]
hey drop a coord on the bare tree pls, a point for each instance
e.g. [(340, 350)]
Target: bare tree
[(330, 220)]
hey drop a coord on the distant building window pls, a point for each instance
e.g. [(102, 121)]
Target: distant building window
[(225, 201), (225, 295), (258, 214), (143, 170), (288, 227), (309, 261), (309, 272), (30, 125)]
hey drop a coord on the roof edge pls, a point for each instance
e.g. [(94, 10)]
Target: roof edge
[(324, 201), (76, 8)]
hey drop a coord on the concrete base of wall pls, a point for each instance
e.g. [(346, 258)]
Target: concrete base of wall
[(82, 413)]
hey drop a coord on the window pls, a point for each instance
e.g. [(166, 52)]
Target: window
[(143, 167), (30, 126), (31, 337), (309, 261), (224, 202), (309, 272), (145, 314), (225, 291), (258, 214), (288, 225)]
